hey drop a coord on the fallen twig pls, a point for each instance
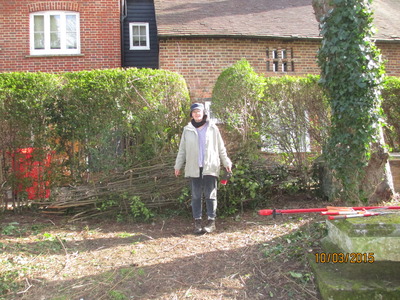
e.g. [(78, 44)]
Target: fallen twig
[(29, 286)]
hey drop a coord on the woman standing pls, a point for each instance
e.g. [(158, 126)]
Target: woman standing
[(202, 151)]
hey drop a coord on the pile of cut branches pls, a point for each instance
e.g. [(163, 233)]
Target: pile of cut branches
[(153, 182)]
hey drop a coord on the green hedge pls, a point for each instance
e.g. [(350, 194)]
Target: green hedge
[(275, 113), (97, 120), (391, 109), (250, 106), (107, 120), (236, 100), (281, 112)]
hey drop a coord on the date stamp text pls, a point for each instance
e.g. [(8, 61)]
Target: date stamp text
[(340, 258)]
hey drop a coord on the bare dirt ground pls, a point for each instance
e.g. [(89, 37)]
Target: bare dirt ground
[(248, 257)]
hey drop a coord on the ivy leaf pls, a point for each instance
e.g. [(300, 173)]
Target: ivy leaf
[(295, 274)]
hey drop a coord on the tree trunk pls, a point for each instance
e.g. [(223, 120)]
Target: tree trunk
[(377, 182), (321, 7)]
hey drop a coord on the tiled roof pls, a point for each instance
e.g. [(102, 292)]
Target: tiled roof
[(387, 19), (258, 18)]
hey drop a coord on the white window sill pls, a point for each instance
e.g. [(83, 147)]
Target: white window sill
[(52, 55)]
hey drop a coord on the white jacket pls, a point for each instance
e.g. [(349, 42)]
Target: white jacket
[(215, 152)]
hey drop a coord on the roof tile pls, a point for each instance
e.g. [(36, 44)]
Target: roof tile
[(258, 18)]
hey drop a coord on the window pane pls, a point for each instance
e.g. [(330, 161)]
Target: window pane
[(135, 41), (55, 23), (143, 30), (39, 41), (143, 41), (55, 41), (71, 41), (38, 23), (38, 35), (275, 66), (71, 23)]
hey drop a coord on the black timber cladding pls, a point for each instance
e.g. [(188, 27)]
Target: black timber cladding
[(140, 11)]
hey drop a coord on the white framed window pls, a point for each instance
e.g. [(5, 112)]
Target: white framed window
[(54, 32), (139, 37), (275, 65), (207, 108), (279, 60), (284, 66), (287, 135)]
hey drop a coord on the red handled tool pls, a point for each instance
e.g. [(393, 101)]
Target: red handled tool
[(225, 177), (359, 215), (329, 210)]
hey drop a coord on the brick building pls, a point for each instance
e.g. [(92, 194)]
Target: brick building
[(196, 38), (200, 38), (88, 35)]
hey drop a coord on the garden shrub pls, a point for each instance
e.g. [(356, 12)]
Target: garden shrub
[(295, 123), (23, 98), (253, 184), (23, 123), (236, 96), (135, 120), (95, 122), (264, 115), (104, 121), (391, 109)]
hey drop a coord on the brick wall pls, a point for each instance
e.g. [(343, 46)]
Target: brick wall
[(391, 56), (99, 28), (201, 60)]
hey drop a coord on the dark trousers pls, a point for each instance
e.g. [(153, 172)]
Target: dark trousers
[(207, 186)]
